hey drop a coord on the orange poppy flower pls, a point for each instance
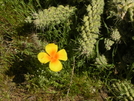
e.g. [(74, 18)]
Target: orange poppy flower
[(53, 56)]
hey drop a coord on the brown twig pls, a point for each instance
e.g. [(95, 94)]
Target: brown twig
[(71, 79)]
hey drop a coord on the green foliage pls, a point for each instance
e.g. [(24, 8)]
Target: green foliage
[(108, 43), (124, 8), (123, 90), (51, 16), (98, 38), (90, 27), (13, 14), (22, 58), (83, 85), (45, 78), (100, 61), (115, 35)]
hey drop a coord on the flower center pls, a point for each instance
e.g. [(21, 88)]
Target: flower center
[(53, 57)]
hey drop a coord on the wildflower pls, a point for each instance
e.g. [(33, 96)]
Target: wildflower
[(53, 56)]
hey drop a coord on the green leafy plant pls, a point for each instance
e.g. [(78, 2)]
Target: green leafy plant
[(90, 28), (123, 90)]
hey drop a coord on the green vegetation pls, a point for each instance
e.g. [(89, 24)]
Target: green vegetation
[(96, 34)]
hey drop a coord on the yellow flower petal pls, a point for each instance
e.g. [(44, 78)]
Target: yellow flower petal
[(55, 66), (43, 57), (62, 55), (51, 49)]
